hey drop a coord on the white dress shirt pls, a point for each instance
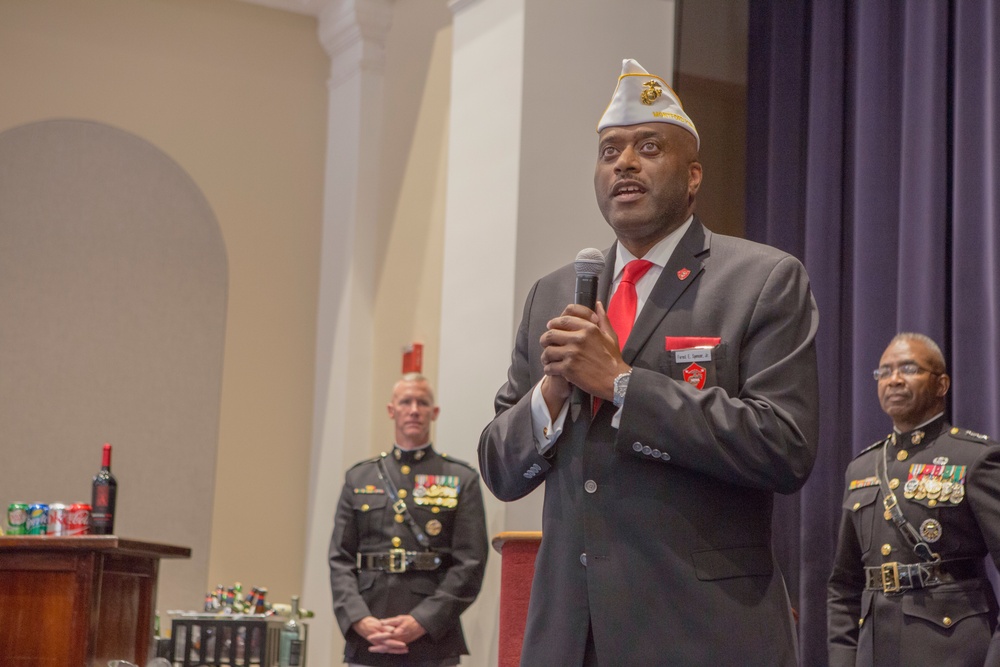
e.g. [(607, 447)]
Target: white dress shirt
[(545, 428)]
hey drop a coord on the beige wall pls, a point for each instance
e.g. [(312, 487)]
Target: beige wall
[(236, 94)]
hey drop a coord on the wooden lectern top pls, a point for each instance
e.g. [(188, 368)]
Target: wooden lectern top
[(515, 536)]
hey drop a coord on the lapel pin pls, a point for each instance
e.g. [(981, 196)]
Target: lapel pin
[(683, 273)]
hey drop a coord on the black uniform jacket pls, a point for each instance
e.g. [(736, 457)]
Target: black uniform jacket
[(443, 496), (947, 483), (657, 535)]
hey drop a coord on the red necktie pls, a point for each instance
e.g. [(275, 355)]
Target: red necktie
[(621, 310)]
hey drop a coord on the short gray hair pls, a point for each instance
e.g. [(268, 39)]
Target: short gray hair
[(935, 349)]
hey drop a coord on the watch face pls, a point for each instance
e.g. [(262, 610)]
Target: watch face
[(621, 384)]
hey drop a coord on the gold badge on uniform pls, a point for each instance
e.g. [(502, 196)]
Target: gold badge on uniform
[(917, 437), (651, 91), (433, 527), (930, 530)]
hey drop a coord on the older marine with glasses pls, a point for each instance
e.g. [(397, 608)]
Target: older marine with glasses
[(921, 510)]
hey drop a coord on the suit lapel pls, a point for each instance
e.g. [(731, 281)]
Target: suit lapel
[(682, 270), (607, 275)]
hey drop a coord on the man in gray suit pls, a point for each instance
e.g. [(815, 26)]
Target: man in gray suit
[(656, 545)]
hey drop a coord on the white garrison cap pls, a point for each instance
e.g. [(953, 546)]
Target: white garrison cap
[(642, 97)]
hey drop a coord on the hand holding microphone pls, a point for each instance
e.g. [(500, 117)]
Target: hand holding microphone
[(589, 265)]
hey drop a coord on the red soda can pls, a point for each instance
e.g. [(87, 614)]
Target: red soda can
[(38, 518), (58, 519), (78, 521)]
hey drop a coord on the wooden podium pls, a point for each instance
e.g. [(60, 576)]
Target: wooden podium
[(78, 601), (517, 569)]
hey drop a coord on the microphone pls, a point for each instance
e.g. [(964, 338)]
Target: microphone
[(589, 264)]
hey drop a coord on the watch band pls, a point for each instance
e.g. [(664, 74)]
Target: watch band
[(621, 386)]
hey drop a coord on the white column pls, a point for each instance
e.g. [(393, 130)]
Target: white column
[(530, 80), (353, 32), (477, 302)]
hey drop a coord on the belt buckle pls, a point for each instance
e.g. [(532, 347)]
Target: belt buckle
[(890, 577), (399, 506), (397, 560)]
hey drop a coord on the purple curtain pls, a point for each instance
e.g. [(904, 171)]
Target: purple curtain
[(874, 156)]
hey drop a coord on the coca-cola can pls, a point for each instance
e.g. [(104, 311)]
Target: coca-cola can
[(58, 519), (78, 521)]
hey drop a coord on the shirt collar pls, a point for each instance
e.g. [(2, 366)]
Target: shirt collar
[(659, 254), (918, 426)]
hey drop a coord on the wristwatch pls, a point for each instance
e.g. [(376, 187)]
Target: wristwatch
[(621, 386)]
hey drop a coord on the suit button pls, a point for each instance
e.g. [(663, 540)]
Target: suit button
[(590, 486), (886, 549), (947, 622), (647, 450), (664, 456), (636, 446), (583, 559)]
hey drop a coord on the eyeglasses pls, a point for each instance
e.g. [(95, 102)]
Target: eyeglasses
[(907, 369)]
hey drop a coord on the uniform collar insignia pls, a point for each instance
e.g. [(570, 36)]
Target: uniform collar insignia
[(411, 455)]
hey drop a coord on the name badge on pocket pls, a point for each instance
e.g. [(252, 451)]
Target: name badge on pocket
[(692, 355)]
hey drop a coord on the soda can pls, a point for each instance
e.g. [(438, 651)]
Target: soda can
[(78, 521), (38, 518), (58, 519), (17, 519)]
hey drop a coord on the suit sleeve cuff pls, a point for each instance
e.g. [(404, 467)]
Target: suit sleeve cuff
[(545, 429)]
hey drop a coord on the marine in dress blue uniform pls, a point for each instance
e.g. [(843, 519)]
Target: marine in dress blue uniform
[(409, 545), (892, 601)]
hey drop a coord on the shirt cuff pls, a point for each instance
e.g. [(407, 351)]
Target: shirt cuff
[(616, 419), (545, 429)]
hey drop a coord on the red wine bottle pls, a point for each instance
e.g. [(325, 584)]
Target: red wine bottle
[(102, 513)]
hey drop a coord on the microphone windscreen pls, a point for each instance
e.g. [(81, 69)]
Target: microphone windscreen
[(589, 262)]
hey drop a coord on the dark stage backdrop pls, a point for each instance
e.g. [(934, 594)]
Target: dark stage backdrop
[(874, 156)]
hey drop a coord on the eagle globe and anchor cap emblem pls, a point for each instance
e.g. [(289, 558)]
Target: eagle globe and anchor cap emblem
[(651, 92)]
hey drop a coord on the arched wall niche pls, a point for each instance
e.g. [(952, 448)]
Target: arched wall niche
[(113, 289)]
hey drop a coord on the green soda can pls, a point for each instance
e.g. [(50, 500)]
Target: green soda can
[(17, 519), (38, 518)]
